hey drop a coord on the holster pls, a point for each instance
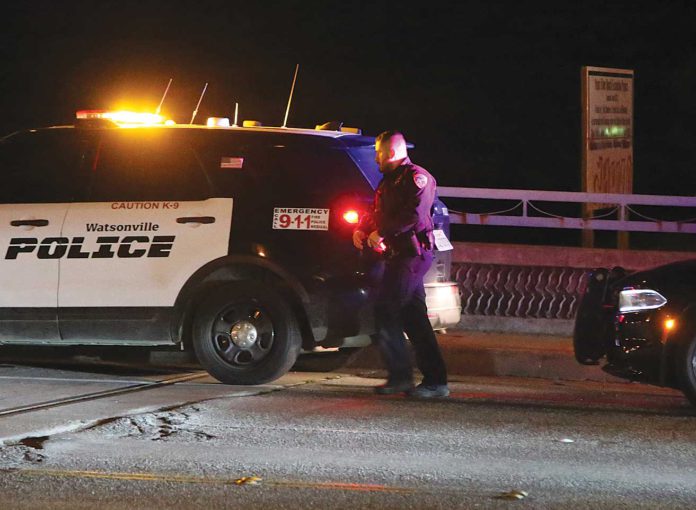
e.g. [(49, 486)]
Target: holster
[(411, 244), (426, 239)]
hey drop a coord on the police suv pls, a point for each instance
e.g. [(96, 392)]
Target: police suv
[(232, 241)]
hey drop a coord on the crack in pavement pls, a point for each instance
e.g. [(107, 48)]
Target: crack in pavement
[(26, 446)]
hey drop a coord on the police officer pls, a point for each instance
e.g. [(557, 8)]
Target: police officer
[(401, 226)]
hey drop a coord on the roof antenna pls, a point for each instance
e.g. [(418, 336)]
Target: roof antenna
[(195, 112), (159, 106), (287, 111)]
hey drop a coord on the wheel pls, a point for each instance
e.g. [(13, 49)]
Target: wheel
[(245, 333), (686, 370)]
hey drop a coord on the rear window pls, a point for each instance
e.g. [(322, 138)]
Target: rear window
[(364, 157)]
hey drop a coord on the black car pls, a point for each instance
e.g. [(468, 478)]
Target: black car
[(644, 323), (231, 241)]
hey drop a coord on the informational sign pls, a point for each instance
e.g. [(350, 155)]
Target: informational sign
[(607, 124), (300, 218), (441, 241)]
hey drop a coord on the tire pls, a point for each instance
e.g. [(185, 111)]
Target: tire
[(686, 370), (245, 333)]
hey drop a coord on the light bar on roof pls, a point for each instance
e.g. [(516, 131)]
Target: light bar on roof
[(122, 118)]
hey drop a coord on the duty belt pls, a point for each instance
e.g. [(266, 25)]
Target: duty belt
[(410, 244)]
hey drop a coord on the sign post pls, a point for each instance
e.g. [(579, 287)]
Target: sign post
[(607, 137)]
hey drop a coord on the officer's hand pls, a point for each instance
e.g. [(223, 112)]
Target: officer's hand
[(374, 241), (359, 239)]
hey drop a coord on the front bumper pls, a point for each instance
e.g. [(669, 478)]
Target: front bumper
[(638, 344)]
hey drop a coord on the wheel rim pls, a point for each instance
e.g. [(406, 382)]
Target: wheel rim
[(243, 334)]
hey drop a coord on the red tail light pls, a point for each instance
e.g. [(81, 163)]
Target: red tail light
[(351, 216)]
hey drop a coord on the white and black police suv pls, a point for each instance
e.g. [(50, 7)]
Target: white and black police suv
[(233, 241)]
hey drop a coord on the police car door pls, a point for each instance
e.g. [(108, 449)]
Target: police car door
[(38, 171), (150, 223)]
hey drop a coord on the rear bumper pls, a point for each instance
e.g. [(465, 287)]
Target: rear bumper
[(349, 321), (444, 304)]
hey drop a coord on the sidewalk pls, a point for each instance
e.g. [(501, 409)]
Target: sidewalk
[(474, 353)]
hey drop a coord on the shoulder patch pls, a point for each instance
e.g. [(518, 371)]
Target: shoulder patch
[(421, 180)]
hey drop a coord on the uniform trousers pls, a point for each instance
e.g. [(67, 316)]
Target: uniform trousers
[(400, 307)]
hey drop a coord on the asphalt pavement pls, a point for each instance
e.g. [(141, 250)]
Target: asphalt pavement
[(325, 440)]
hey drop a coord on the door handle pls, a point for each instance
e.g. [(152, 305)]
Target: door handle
[(196, 219), (29, 223)]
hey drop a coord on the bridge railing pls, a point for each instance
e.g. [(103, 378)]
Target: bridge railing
[(523, 291), (527, 212)]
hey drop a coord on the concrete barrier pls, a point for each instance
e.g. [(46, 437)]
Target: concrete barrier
[(534, 289)]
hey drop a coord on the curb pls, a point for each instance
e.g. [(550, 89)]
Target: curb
[(469, 353)]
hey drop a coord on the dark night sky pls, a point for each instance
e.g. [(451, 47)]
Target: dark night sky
[(488, 91)]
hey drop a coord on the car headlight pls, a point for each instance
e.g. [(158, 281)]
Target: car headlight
[(636, 300)]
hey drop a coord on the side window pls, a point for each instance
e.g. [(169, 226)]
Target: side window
[(227, 162), (318, 174), (139, 165), (266, 168), (41, 167)]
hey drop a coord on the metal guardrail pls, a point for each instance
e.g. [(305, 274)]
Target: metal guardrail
[(622, 205)]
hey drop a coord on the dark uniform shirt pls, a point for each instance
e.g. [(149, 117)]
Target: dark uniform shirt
[(403, 204)]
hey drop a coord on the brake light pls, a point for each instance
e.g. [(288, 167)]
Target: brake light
[(351, 216)]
